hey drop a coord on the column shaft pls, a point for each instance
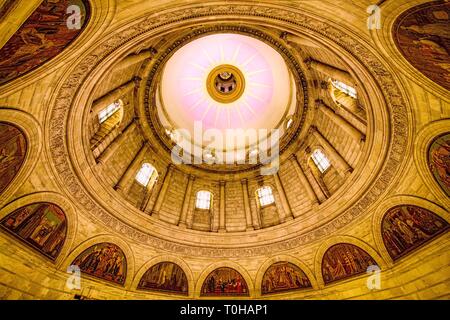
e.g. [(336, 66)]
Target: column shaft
[(134, 58), (186, 200), (162, 192), (247, 209), (304, 180), (341, 122), (222, 207), (128, 176), (116, 143), (331, 71), (287, 214), (104, 101), (337, 160)]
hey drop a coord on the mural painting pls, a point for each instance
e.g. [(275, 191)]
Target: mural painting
[(423, 36), (224, 282), (282, 277), (165, 277), (405, 228), (439, 161), (104, 261), (41, 225), (13, 148), (44, 35), (344, 260)]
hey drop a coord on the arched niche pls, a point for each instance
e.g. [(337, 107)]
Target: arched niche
[(421, 35), (224, 282), (284, 276), (165, 277), (344, 260), (45, 34), (439, 161), (41, 225), (32, 132), (105, 261), (404, 228), (13, 149)]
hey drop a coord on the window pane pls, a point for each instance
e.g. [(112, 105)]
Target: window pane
[(144, 174), (108, 111), (203, 200), (320, 160), (265, 196), (345, 88)]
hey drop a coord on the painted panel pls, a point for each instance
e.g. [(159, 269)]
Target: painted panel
[(41, 225), (344, 260), (224, 282), (422, 34), (13, 148), (405, 228), (439, 161), (283, 277), (104, 261), (165, 277), (43, 36)]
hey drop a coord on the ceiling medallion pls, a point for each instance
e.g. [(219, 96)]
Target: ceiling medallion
[(225, 83)]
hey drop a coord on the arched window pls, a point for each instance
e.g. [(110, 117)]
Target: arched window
[(108, 111), (203, 200), (344, 88), (321, 160), (144, 174), (289, 123), (265, 196)]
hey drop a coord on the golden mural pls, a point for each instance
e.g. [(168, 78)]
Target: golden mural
[(104, 261), (423, 36), (344, 260), (165, 277), (439, 161), (405, 228), (13, 148), (224, 282), (282, 277), (41, 225)]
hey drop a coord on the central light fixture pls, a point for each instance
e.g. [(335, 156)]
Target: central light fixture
[(225, 83)]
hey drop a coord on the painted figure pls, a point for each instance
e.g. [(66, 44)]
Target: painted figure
[(344, 260), (41, 225), (405, 228), (165, 277), (224, 282), (282, 277), (105, 261), (423, 36), (13, 149), (43, 36)]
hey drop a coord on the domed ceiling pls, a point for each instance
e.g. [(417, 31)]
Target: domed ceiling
[(225, 81), (98, 130)]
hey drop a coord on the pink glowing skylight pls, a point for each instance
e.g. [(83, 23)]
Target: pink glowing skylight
[(263, 103)]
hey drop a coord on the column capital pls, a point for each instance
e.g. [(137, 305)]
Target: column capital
[(312, 129), (319, 103), (222, 183), (191, 177), (244, 181), (137, 80), (308, 62), (293, 157), (325, 85)]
